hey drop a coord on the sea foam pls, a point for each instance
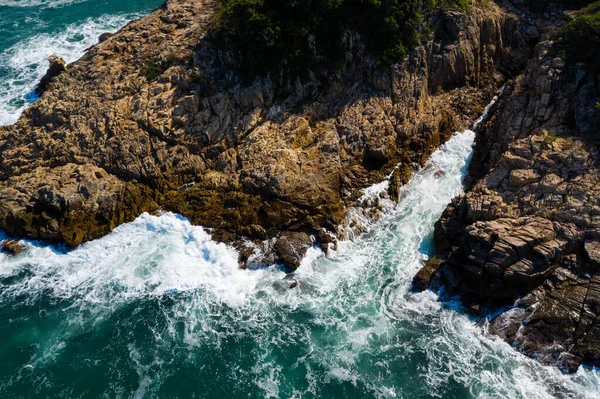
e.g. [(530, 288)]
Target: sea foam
[(25, 63), (176, 300)]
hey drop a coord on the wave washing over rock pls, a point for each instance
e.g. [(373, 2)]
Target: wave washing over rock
[(34, 30), (157, 308), (154, 122)]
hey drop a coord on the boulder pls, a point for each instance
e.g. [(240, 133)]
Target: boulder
[(57, 66), (12, 247), (592, 251), (104, 37), (424, 277), (291, 248)]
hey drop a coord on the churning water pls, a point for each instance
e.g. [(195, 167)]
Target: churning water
[(158, 309), (31, 30)]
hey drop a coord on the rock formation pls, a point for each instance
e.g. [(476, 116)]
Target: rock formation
[(11, 247), (57, 66), (154, 118), (527, 232)]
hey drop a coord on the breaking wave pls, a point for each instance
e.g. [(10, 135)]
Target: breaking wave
[(157, 308)]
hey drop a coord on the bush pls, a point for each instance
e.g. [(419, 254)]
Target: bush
[(293, 36), (581, 37), (151, 70)]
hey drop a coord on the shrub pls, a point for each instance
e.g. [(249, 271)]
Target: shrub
[(581, 37), (294, 36), (151, 70)]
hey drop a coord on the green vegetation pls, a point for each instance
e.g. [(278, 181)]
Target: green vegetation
[(581, 37), (154, 67), (551, 138), (293, 36), (151, 70)]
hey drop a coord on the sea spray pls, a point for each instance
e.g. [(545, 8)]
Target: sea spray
[(158, 308), (32, 30)]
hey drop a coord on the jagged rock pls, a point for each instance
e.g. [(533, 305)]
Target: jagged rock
[(12, 247), (291, 247), (592, 250), (57, 66), (70, 203), (525, 233), (423, 278), (520, 177), (157, 113)]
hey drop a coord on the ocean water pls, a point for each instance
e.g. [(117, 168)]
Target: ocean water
[(31, 30), (158, 309)]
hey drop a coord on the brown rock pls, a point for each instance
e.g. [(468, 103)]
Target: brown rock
[(12, 247), (291, 248), (592, 250), (423, 278), (104, 37), (57, 66), (152, 118), (525, 233), (521, 177)]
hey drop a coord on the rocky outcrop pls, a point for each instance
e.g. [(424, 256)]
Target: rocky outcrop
[(71, 203), (57, 66), (526, 233), (153, 117), (12, 247)]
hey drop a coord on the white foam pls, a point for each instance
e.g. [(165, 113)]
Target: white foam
[(26, 62), (352, 320), (150, 256), (38, 3)]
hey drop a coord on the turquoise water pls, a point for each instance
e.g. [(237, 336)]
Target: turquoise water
[(158, 309), (31, 30)]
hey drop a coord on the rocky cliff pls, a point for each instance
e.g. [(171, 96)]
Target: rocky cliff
[(153, 118), (523, 243)]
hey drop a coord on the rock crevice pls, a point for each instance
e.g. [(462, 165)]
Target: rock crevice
[(526, 233)]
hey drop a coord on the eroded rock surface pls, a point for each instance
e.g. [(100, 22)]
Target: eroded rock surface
[(11, 247), (527, 231), (56, 67), (153, 117)]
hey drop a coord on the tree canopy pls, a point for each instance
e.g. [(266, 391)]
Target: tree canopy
[(292, 36), (581, 36)]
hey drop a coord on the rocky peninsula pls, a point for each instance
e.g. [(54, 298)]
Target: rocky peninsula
[(152, 118), (156, 118)]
